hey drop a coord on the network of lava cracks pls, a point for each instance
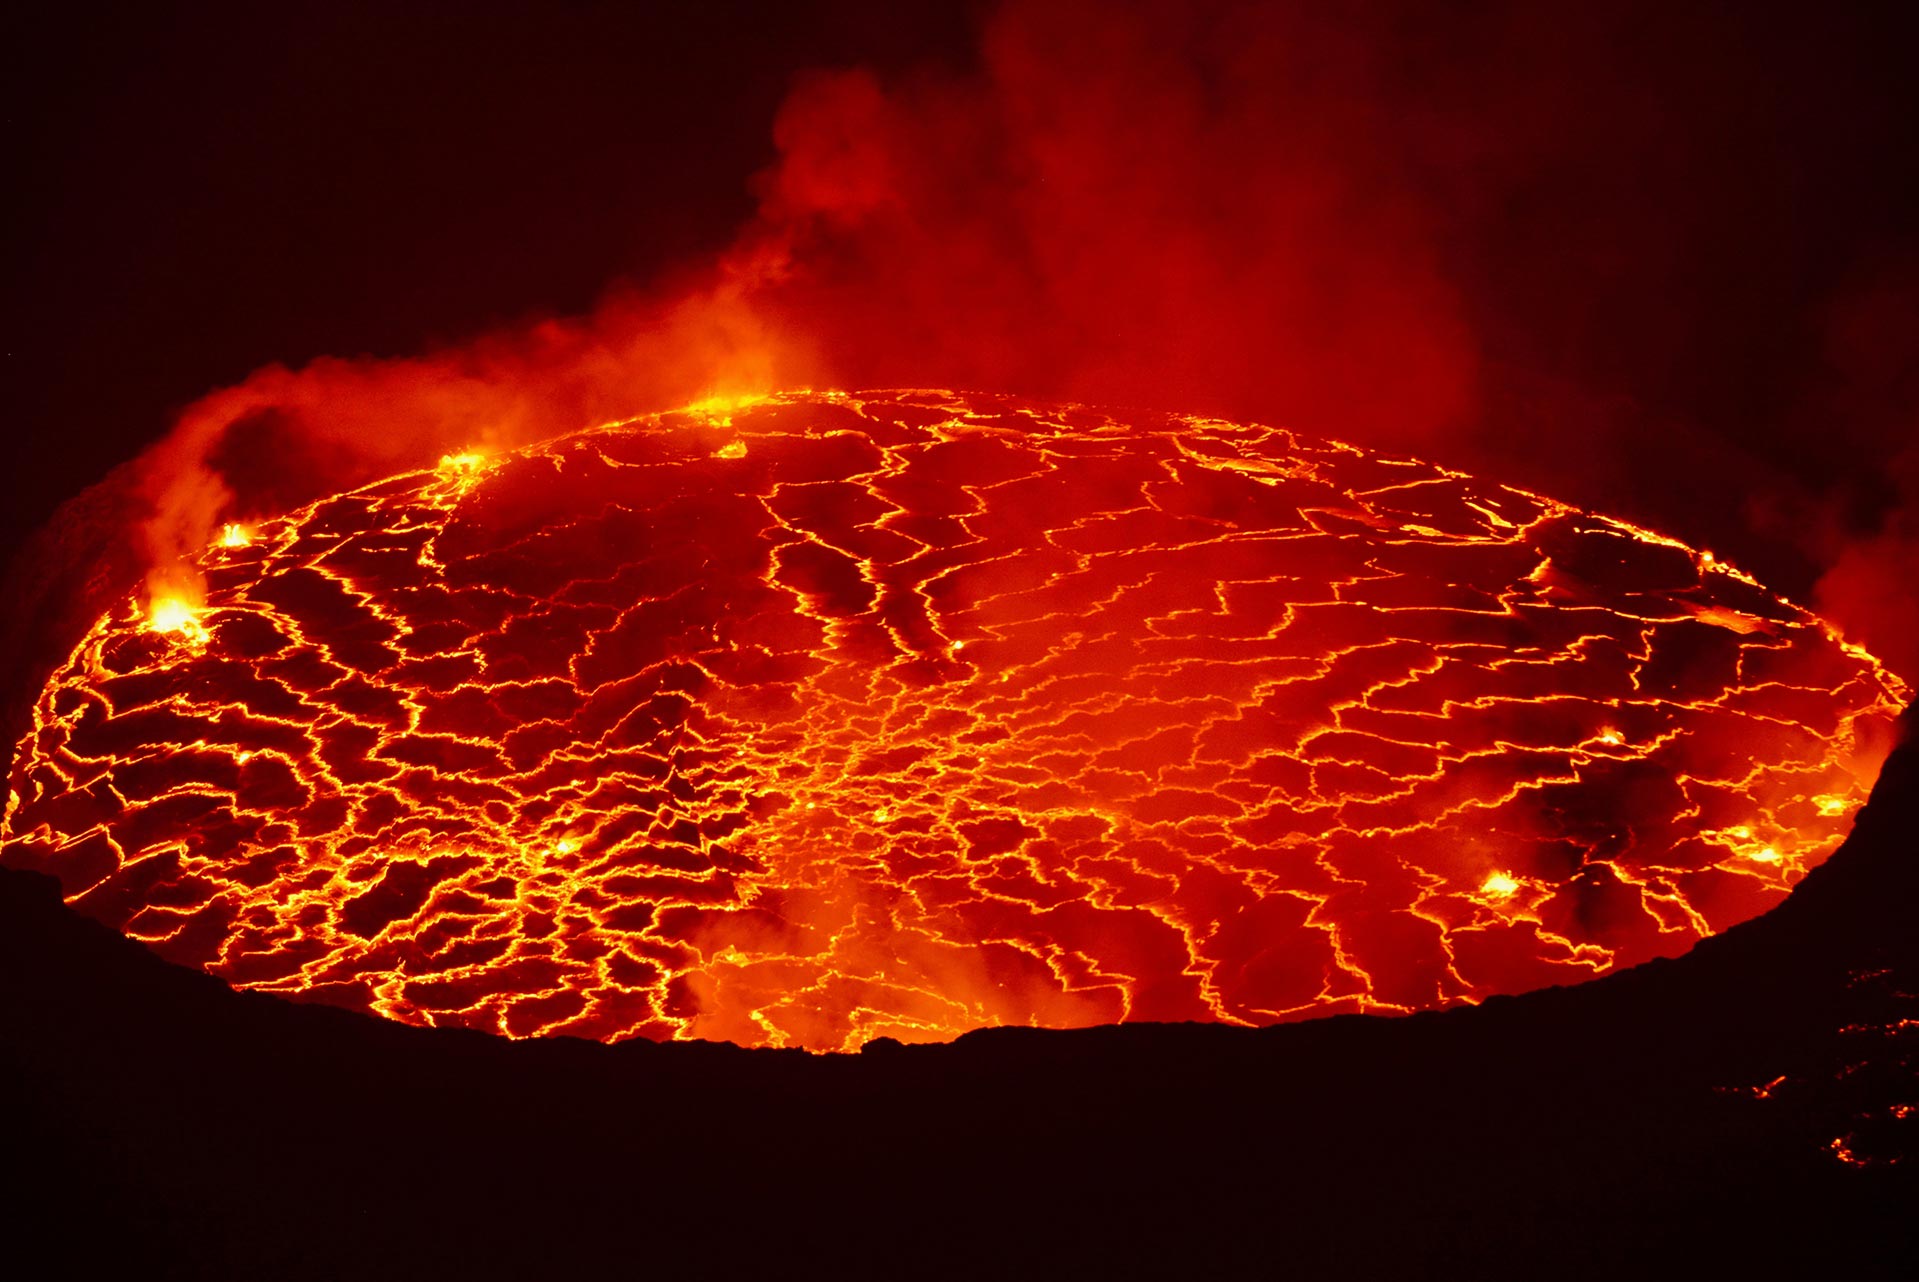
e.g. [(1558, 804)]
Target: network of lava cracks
[(821, 718)]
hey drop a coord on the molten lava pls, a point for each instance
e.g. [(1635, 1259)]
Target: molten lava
[(832, 717)]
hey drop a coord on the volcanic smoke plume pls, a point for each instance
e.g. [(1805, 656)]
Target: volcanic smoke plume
[(818, 718), (1569, 249)]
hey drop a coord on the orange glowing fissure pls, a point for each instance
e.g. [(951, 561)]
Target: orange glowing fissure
[(830, 717)]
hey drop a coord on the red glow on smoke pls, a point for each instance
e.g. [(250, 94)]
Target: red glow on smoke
[(1190, 212)]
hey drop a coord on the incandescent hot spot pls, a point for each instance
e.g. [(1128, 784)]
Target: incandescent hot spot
[(839, 716)]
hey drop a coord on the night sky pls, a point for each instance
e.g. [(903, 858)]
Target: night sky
[(1682, 245), (201, 190)]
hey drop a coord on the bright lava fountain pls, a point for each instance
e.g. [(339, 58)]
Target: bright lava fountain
[(831, 717)]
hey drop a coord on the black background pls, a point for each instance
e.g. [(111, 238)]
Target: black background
[(200, 190), (1650, 275)]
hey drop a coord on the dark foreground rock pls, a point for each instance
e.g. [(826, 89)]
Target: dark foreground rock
[(163, 1125)]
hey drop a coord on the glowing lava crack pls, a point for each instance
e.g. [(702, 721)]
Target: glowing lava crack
[(833, 717)]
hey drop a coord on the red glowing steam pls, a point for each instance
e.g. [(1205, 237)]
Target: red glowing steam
[(1136, 211), (1247, 210)]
